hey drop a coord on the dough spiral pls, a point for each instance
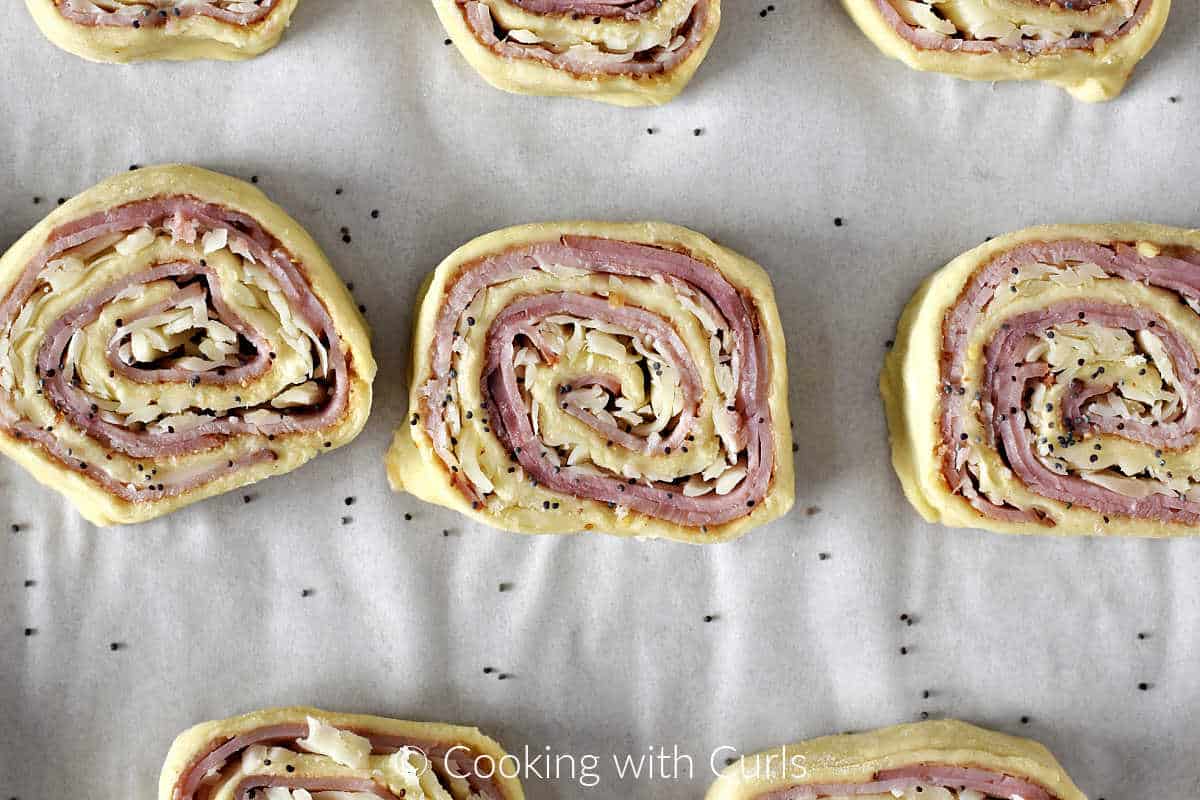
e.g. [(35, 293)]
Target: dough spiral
[(307, 754), (169, 335), (933, 760), (1088, 47), (627, 378), (625, 52), (121, 31), (1048, 382)]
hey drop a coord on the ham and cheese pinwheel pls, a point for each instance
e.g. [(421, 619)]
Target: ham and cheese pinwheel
[(1088, 47), (121, 31), (308, 754), (625, 52), (935, 760), (1049, 382), (627, 378), (169, 335)]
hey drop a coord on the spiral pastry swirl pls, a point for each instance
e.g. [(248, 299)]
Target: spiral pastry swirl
[(1088, 47), (121, 31), (624, 52), (169, 335), (304, 753), (578, 376), (1049, 381), (934, 760)]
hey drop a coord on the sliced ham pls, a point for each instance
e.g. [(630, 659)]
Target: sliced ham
[(892, 781), (450, 759), (158, 13), (187, 218), (1008, 375), (631, 441), (592, 61), (509, 412), (925, 39), (1005, 362), (629, 9)]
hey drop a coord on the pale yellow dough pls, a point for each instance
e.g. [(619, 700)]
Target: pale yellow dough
[(413, 466), (185, 39), (529, 76), (92, 500), (197, 740), (1089, 76), (856, 758), (910, 384)]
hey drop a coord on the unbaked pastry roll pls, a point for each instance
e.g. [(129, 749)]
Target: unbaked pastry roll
[(935, 760), (169, 335), (309, 754), (625, 52), (1088, 47), (627, 378), (1049, 382), (120, 31)]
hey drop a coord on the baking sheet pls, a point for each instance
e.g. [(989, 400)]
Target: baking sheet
[(603, 641)]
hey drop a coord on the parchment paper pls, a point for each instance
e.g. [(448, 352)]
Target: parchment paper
[(603, 641)]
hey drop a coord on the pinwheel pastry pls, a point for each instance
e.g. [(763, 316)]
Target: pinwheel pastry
[(935, 760), (308, 754), (625, 52), (169, 335), (1088, 47), (1048, 382), (627, 378), (121, 31)]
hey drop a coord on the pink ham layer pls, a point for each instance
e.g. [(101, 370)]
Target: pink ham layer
[(77, 12), (185, 217), (191, 785), (991, 784), (244, 370), (929, 40), (522, 319), (651, 62), (510, 416), (631, 441), (630, 9), (1007, 376), (1176, 270)]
